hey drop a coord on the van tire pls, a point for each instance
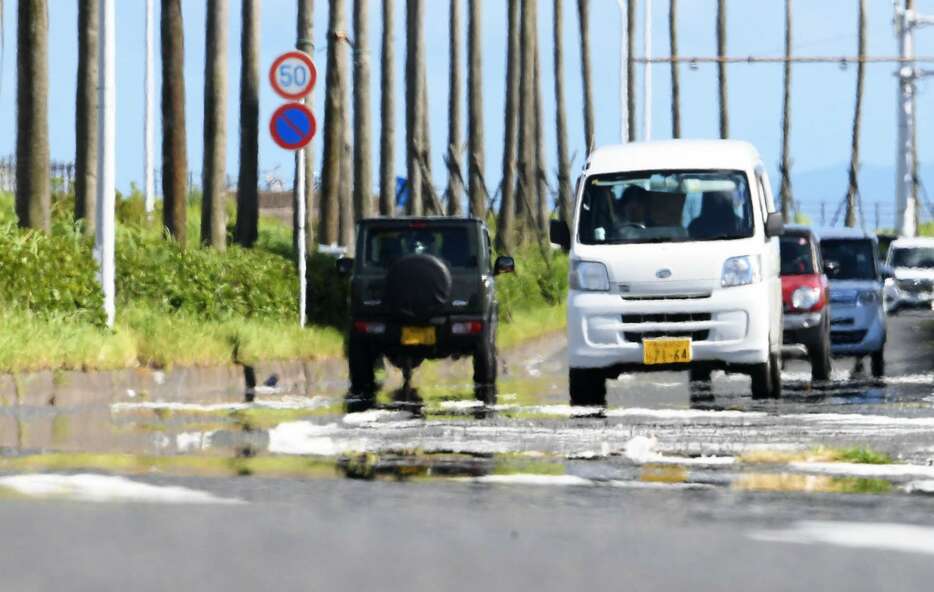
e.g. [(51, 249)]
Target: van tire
[(587, 387), (767, 378), (819, 355), (877, 363)]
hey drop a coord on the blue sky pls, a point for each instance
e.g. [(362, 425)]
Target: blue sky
[(823, 95)]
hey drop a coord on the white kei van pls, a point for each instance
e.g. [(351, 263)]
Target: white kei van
[(674, 266)]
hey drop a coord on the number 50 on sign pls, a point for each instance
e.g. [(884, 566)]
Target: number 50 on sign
[(293, 75)]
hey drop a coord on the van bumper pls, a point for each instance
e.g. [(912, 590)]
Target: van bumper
[(730, 327)]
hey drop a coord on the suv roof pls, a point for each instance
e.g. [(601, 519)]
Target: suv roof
[(426, 219), (845, 233)]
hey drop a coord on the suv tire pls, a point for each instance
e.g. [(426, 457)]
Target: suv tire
[(362, 377), (767, 378), (587, 387), (819, 356), (484, 369), (877, 363)]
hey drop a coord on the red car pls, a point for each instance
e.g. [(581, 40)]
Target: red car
[(806, 300)]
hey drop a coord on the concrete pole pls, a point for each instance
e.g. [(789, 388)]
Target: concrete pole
[(647, 77), (149, 142), (623, 73), (904, 175), (106, 161)]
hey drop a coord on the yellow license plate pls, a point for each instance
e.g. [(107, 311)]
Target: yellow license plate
[(418, 336), (666, 350)]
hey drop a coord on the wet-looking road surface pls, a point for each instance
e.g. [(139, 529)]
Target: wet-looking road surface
[(831, 487)]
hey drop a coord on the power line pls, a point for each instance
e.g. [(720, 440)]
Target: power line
[(844, 60)]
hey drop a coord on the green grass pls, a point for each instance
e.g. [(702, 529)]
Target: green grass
[(530, 323)]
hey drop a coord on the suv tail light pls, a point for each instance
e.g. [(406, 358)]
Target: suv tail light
[(369, 328), (467, 328)]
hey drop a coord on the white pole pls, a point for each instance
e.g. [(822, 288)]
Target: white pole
[(149, 146), (300, 213), (647, 78), (106, 162), (623, 73), (904, 181)]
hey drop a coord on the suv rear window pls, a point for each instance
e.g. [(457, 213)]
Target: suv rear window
[(855, 258), (797, 256), (453, 244)]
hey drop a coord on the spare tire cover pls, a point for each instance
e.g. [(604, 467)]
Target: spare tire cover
[(418, 286)]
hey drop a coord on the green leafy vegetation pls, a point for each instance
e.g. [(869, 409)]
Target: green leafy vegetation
[(196, 306)]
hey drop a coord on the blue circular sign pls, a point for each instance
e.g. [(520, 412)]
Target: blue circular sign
[(292, 126)]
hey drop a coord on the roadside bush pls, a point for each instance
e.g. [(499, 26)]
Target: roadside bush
[(328, 292), (49, 275), (541, 279)]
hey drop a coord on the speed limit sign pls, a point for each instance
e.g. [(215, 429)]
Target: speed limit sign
[(293, 75)]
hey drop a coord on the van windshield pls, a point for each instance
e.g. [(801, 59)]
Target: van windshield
[(920, 257), (665, 206)]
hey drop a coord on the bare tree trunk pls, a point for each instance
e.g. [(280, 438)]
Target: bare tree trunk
[(174, 149), (430, 203), (248, 185), (86, 116), (631, 66), (362, 161), (475, 152), (505, 227), (305, 42), (33, 196), (329, 218), (583, 12), (345, 195), (785, 193), (542, 202), (214, 170), (413, 95), (675, 74), (852, 194), (721, 69), (528, 182), (564, 167), (387, 183), (455, 80)]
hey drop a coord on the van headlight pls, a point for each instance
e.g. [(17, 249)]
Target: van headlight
[(589, 276), (740, 271), (867, 298)]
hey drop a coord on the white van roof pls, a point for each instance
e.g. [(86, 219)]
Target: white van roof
[(673, 155)]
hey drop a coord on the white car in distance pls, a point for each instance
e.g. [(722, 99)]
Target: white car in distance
[(675, 265), (911, 260)]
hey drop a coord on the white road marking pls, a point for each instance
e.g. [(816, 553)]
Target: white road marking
[(861, 535), (864, 470), (283, 403), (106, 488)]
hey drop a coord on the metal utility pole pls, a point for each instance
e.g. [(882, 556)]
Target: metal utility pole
[(149, 123), (623, 73), (106, 161), (647, 77)]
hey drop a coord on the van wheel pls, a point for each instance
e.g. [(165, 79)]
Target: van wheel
[(819, 355), (361, 366), (767, 378), (877, 363), (587, 387), (700, 385), (484, 370)]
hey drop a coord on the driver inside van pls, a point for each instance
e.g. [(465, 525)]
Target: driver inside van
[(716, 218)]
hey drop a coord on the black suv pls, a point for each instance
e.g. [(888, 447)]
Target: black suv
[(421, 288)]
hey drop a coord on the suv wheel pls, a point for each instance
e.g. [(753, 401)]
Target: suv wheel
[(877, 363), (819, 355), (362, 377), (767, 378), (587, 387), (484, 370)]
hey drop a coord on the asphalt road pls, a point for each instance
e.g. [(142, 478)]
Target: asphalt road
[(658, 493)]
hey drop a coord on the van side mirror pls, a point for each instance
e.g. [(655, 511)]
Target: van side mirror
[(504, 264), (344, 266), (774, 225), (560, 234), (886, 272)]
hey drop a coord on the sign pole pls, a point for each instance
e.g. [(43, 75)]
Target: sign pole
[(300, 212), (106, 162)]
